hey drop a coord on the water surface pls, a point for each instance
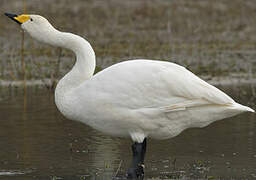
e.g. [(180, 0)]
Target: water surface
[(37, 142)]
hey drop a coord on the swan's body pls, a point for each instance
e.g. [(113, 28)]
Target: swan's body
[(142, 98), (136, 98)]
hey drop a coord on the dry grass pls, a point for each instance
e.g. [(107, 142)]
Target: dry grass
[(208, 37)]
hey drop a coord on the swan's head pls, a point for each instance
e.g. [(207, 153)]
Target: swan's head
[(37, 26)]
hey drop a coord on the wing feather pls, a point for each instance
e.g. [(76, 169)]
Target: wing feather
[(155, 84), (185, 84)]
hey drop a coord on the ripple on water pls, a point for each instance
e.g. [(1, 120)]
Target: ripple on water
[(13, 172)]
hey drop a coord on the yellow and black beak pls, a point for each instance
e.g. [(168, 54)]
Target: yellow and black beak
[(18, 19)]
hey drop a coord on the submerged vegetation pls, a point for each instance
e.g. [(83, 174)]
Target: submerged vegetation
[(209, 38)]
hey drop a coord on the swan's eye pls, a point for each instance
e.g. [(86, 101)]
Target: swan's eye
[(31, 19)]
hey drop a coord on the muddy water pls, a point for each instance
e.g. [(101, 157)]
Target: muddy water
[(37, 142)]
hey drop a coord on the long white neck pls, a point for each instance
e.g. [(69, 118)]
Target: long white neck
[(84, 66), (85, 60)]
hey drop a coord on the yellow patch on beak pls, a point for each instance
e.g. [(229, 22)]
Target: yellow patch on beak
[(22, 18)]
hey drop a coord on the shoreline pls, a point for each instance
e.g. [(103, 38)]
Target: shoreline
[(216, 81)]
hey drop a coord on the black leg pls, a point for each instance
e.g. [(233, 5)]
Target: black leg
[(137, 167)]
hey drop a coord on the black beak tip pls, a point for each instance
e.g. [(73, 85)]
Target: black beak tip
[(12, 16)]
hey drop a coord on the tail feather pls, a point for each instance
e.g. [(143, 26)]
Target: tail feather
[(242, 108)]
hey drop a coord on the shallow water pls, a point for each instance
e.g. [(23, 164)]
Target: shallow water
[(37, 142)]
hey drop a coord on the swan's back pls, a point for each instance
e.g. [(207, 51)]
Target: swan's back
[(158, 79)]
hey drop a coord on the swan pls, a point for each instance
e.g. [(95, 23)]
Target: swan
[(135, 98)]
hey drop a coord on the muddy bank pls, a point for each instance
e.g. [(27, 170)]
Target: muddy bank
[(216, 81)]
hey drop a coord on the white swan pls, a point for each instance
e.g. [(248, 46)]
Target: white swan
[(136, 98)]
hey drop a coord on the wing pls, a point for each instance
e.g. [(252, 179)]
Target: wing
[(154, 84)]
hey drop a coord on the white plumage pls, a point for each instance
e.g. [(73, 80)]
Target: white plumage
[(135, 98), (141, 98)]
